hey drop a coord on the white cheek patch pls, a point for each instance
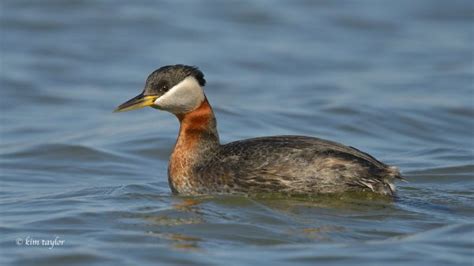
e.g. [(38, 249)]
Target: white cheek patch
[(182, 98)]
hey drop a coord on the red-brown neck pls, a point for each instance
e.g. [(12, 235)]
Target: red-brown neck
[(197, 138), (200, 118)]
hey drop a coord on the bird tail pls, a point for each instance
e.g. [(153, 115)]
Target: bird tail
[(392, 174), (385, 183)]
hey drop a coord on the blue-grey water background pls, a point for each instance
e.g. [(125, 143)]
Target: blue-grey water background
[(393, 78)]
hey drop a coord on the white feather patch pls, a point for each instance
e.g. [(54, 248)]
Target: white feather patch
[(182, 98)]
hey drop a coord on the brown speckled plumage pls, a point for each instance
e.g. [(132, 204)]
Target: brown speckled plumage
[(199, 164), (287, 164)]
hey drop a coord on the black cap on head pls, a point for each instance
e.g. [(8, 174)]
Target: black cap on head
[(164, 78)]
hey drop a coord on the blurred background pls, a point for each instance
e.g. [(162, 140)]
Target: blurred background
[(392, 78)]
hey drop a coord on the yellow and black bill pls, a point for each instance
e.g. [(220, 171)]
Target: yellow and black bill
[(137, 102)]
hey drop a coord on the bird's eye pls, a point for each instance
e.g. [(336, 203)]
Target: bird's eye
[(160, 87)]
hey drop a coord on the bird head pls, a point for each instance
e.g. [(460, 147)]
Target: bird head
[(176, 88)]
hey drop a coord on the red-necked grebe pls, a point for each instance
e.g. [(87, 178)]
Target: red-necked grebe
[(199, 164)]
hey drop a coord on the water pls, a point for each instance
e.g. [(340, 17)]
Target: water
[(393, 78)]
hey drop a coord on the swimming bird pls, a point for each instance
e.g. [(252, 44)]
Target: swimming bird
[(200, 164)]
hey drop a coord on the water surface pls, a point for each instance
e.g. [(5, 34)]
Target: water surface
[(393, 78)]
